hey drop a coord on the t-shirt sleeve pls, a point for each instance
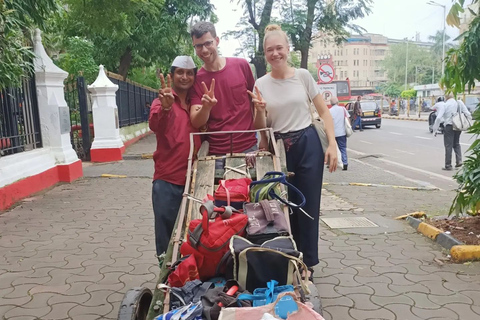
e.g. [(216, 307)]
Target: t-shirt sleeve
[(309, 83)]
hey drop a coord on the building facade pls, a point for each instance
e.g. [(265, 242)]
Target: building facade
[(359, 58)]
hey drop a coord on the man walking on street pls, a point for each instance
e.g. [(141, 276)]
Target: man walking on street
[(231, 77), (451, 138), (170, 120), (339, 114), (357, 113)]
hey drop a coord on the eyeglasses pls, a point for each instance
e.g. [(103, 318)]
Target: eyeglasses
[(207, 44)]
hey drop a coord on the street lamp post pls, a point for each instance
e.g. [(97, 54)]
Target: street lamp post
[(433, 3), (406, 66)]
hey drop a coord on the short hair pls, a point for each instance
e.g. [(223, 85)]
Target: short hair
[(449, 96), (272, 29), (333, 100), (201, 28)]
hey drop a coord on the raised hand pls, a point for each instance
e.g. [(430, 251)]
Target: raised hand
[(165, 94), (208, 98), (257, 100)]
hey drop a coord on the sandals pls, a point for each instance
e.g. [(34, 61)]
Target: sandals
[(310, 278)]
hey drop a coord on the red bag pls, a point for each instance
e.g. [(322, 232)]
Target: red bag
[(208, 241), (186, 270), (232, 192)]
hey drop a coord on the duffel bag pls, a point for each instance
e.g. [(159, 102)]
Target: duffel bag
[(232, 192), (266, 220), (208, 240), (268, 188), (191, 292), (253, 265)]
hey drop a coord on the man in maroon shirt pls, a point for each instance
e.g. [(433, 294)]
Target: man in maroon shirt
[(170, 120), (233, 77)]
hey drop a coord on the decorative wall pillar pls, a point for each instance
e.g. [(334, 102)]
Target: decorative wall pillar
[(54, 113), (107, 144)]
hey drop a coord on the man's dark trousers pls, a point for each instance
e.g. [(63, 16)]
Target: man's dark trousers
[(166, 199), (451, 140)]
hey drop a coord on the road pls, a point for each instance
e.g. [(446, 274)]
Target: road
[(406, 148)]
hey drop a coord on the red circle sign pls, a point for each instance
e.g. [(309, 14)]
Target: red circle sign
[(326, 73)]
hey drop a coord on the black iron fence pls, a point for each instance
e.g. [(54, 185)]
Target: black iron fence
[(79, 103), (132, 99), (19, 119)]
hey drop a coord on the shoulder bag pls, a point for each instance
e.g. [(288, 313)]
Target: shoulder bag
[(460, 121), (348, 126)]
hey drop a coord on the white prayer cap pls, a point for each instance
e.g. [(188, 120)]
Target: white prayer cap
[(185, 62)]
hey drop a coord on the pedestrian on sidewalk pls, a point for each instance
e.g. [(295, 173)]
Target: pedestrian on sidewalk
[(339, 114), (282, 102), (451, 138), (357, 114), (170, 121), (231, 77)]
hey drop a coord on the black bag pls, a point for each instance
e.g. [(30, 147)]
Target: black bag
[(211, 299), (253, 265), (191, 292)]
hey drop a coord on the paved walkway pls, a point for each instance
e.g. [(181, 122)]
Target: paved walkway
[(74, 250)]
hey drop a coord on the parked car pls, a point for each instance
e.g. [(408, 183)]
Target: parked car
[(371, 113), (471, 102)]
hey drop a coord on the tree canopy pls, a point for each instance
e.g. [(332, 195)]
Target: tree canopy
[(17, 19), (462, 69), (421, 68), (134, 33)]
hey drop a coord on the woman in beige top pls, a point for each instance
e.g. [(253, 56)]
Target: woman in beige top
[(282, 101)]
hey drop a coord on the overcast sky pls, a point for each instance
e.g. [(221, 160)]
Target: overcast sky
[(393, 18)]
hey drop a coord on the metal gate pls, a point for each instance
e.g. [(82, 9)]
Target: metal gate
[(19, 119), (78, 101)]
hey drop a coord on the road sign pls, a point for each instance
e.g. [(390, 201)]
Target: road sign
[(326, 73), (328, 91)]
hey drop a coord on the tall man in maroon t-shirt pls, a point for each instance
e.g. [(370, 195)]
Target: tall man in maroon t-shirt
[(233, 77), (170, 120)]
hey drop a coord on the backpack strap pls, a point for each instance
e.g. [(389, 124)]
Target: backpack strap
[(267, 210), (208, 210)]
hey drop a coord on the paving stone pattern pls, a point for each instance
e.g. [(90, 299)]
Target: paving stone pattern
[(74, 250)]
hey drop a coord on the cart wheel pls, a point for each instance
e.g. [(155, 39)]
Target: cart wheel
[(314, 298), (135, 304)]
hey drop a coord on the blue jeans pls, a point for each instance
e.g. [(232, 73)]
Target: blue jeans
[(166, 200), (357, 122), (342, 146)]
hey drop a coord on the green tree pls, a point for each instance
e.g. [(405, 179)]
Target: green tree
[(257, 15), (462, 68), (420, 66), (134, 33), (302, 18), (437, 40), (17, 19), (78, 59)]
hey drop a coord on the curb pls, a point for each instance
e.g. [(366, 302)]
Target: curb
[(403, 118), (459, 251)]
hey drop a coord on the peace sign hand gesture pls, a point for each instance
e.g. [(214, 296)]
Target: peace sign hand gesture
[(208, 98), (257, 100), (165, 94)]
